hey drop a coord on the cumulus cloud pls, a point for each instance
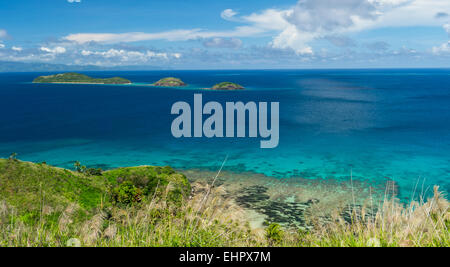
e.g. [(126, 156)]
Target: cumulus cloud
[(56, 50), (74, 1), (175, 35), (327, 15), (17, 48), (291, 32), (228, 14), (443, 49), (222, 43), (126, 57), (447, 28), (2, 45), (296, 27)]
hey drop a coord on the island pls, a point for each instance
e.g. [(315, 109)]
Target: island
[(227, 86), (77, 78), (169, 82)]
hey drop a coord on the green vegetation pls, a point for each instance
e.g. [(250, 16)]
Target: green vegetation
[(134, 182), (169, 82), (227, 86), (274, 234), (73, 77), (42, 205)]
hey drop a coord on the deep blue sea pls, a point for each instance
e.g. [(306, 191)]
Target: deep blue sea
[(375, 124)]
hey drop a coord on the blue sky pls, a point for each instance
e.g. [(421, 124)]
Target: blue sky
[(205, 34)]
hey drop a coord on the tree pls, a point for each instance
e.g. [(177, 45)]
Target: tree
[(77, 166), (13, 156)]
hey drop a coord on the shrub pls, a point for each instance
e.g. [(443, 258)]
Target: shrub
[(126, 193), (274, 234), (94, 172)]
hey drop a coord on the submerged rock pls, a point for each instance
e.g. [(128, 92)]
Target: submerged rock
[(287, 213)]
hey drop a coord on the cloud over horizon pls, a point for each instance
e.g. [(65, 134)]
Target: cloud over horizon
[(320, 31)]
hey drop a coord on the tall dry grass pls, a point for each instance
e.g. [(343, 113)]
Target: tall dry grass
[(419, 224), (211, 218)]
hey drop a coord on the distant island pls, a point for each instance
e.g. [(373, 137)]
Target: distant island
[(77, 78), (227, 86), (169, 82)]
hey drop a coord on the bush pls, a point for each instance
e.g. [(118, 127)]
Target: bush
[(126, 193), (274, 234), (94, 172)]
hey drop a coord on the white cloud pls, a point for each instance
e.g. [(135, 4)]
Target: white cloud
[(444, 48), (56, 50), (74, 1), (296, 27), (2, 45), (269, 19), (122, 56), (16, 48), (3, 33), (447, 28), (327, 15), (223, 42), (228, 14), (176, 35)]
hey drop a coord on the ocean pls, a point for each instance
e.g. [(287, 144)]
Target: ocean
[(337, 125)]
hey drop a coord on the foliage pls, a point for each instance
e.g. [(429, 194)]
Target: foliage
[(94, 171), (152, 181), (274, 233), (169, 82), (227, 86), (126, 193)]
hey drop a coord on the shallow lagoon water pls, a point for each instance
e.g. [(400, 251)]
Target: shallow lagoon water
[(379, 125)]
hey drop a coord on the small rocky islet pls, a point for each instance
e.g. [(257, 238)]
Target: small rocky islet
[(227, 86), (169, 82)]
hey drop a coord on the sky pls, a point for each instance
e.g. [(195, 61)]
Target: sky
[(231, 34)]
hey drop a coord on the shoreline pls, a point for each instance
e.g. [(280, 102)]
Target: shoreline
[(240, 209), (291, 202)]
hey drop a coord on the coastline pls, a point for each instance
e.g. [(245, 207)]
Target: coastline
[(239, 210), (289, 201)]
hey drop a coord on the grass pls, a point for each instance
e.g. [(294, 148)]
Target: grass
[(42, 205)]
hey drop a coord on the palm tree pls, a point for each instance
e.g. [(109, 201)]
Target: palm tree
[(77, 165), (13, 156)]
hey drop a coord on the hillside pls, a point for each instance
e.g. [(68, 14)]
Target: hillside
[(41, 205), (29, 186)]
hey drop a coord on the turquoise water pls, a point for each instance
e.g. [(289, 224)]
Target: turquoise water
[(376, 124)]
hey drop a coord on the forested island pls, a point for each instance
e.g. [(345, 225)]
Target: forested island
[(77, 78), (227, 86), (169, 82)]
